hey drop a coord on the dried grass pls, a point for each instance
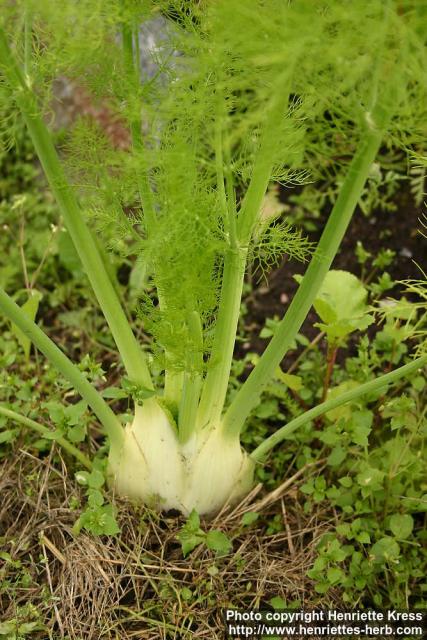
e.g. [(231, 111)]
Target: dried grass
[(131, 586)]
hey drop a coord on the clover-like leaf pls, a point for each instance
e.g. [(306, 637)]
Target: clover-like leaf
[(341, 305), (401, 525), (217, 541)]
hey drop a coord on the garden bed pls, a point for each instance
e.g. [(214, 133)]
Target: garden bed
[(170, 447)]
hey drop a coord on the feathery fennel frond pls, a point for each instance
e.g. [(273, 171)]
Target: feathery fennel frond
[(208, 69)]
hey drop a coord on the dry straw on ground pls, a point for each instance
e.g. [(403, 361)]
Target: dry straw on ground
[(138, 585)]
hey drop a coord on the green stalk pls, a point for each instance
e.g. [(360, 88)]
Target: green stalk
[(249, 394), (173, 385), (251, 205), (133, 357), (192, 381), (368, 387), (188, 406), (228, 208), (47, 433), (216, 383), (230, 193), (64, 366)]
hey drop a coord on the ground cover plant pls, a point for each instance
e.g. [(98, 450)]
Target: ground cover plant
[(226, 115)]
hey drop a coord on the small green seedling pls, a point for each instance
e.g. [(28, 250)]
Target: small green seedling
[(191, 536)]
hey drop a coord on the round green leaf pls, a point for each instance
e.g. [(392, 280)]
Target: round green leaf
[(401, 525)]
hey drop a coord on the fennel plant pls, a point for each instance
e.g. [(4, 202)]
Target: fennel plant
[(245, 94)]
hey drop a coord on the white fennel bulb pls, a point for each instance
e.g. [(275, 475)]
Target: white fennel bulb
[(218, 471), (154, 468)]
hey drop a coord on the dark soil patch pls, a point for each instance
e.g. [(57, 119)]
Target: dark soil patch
[(397, 231)]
